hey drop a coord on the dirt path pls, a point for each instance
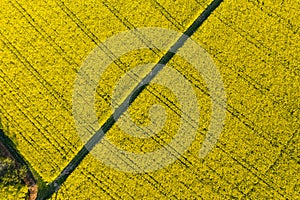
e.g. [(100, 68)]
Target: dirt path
[(55, 185)]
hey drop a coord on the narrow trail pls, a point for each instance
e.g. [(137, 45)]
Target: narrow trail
[(55, 185), (9, 150)]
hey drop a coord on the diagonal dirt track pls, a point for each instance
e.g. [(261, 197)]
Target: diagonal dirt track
[(55, 185)]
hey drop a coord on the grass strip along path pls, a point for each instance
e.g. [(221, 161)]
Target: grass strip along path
[(55, 185)]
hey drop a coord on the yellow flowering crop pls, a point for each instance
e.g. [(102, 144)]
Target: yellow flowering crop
[(255, 46)]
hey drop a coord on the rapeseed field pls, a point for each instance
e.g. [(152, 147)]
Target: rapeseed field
[(254, 45)]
